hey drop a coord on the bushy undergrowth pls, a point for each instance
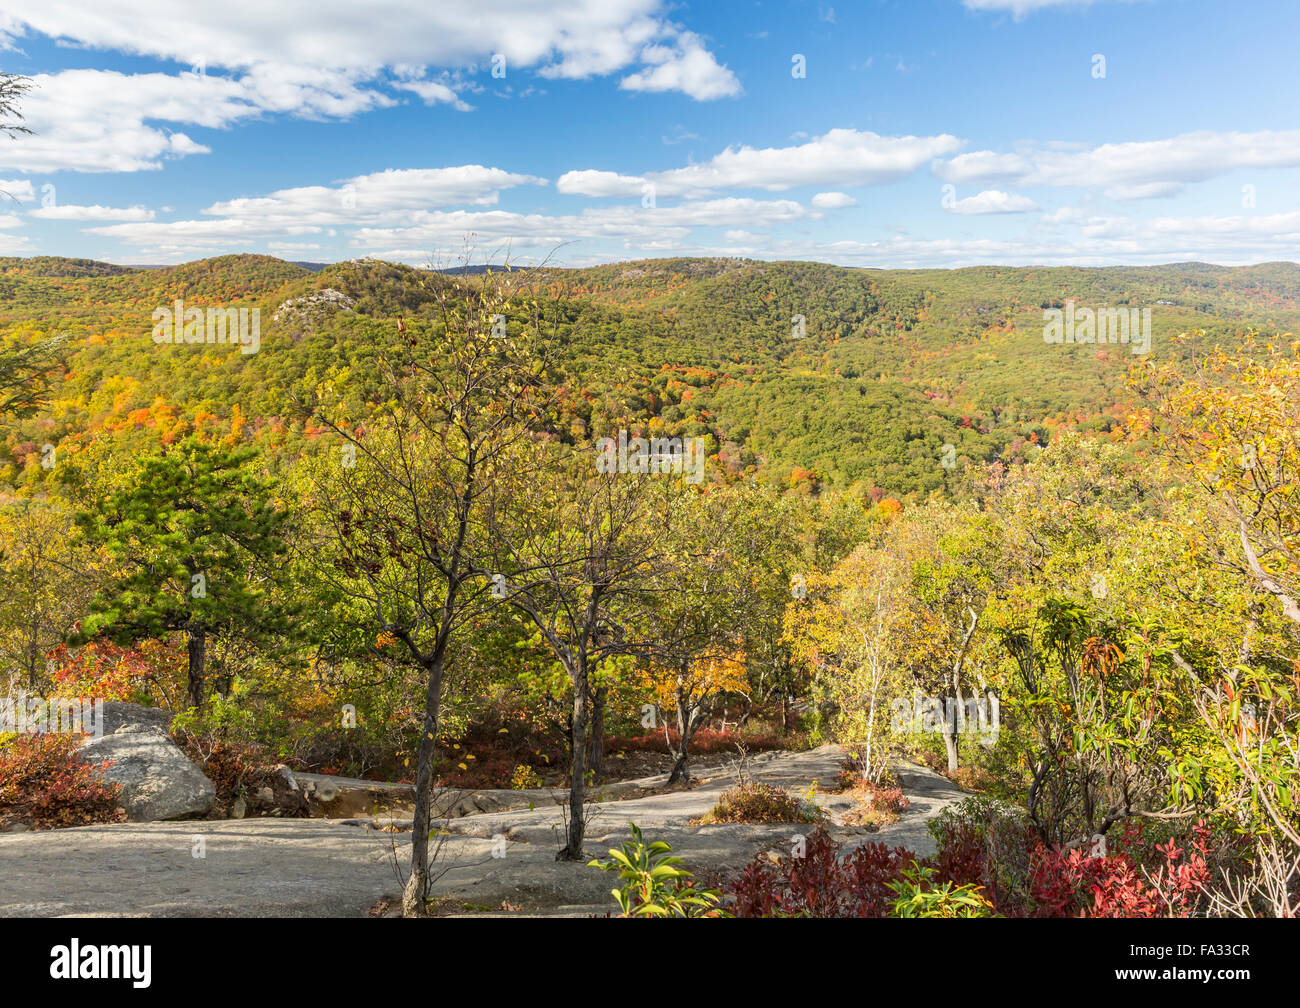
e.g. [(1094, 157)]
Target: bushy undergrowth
[(990, 862), (237, 770), (879, 802), (45, 784), (756, 802)]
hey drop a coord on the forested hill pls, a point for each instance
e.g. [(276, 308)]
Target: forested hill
[(806, 374)]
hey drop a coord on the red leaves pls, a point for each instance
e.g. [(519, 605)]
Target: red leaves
[(46, 784), (1137, 878), (1132, 881), (821, 883)]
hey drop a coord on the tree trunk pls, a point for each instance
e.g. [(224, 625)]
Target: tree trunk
[(34, 667), (415, 896), (749, 709), (950, 744), (954, 717), (597, 763), (785, 711), (196, 645), (955, 723), (572, 850), (684, 729)]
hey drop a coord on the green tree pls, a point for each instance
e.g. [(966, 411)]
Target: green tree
[(196, 541)]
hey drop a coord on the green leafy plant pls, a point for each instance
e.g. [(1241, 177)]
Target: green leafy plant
[(917, 895), (654, 883)]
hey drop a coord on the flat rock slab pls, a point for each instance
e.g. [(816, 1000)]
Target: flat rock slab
[(326, 868), (251, 868), (334, 797)]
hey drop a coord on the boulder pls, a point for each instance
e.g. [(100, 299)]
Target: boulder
[(158, 780)]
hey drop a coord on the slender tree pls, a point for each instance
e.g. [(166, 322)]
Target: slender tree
[(399, 512), (578, 553)]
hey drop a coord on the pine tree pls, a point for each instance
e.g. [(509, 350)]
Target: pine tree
[(197, 543)]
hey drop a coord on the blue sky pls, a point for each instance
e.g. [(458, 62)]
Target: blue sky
[(923, 133)]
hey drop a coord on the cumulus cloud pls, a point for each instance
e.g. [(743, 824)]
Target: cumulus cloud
[(72, 212), (319, 58), (383, 217), (833, 201), (434, 93), (686, 66), (94, 120), (1142, 169), (993, 201), (17, 189), (842, 157), (591, 182), (393, 190)]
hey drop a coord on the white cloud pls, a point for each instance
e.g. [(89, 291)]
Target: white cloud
[(365, 196), (1131, 170), (833, 200), (387, 211), (434, 93), (684, 66), (983, 167), (1021, 8), (842, 157), (17, 189), (16, 245), (993, 201), (73, 212), (94, 120), (591, 182), (316, 59)]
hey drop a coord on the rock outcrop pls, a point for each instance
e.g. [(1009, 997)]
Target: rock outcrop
[(158, 780)]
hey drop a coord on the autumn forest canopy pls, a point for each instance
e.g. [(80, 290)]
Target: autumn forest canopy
[(1064, 576)]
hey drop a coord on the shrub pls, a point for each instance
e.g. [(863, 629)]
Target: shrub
[(237, 770), (919, 894), (44, 783), (705, 741), (1138, 879), (886, 799), (525, 778), (821, 884), (756, 802), (654, 883), (988, 843)]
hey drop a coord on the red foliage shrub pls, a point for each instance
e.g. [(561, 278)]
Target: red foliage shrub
[(493, 745), (1140, 878), (890, 799), (44, 783), (237, 770), (108, 671), (821, 884)]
